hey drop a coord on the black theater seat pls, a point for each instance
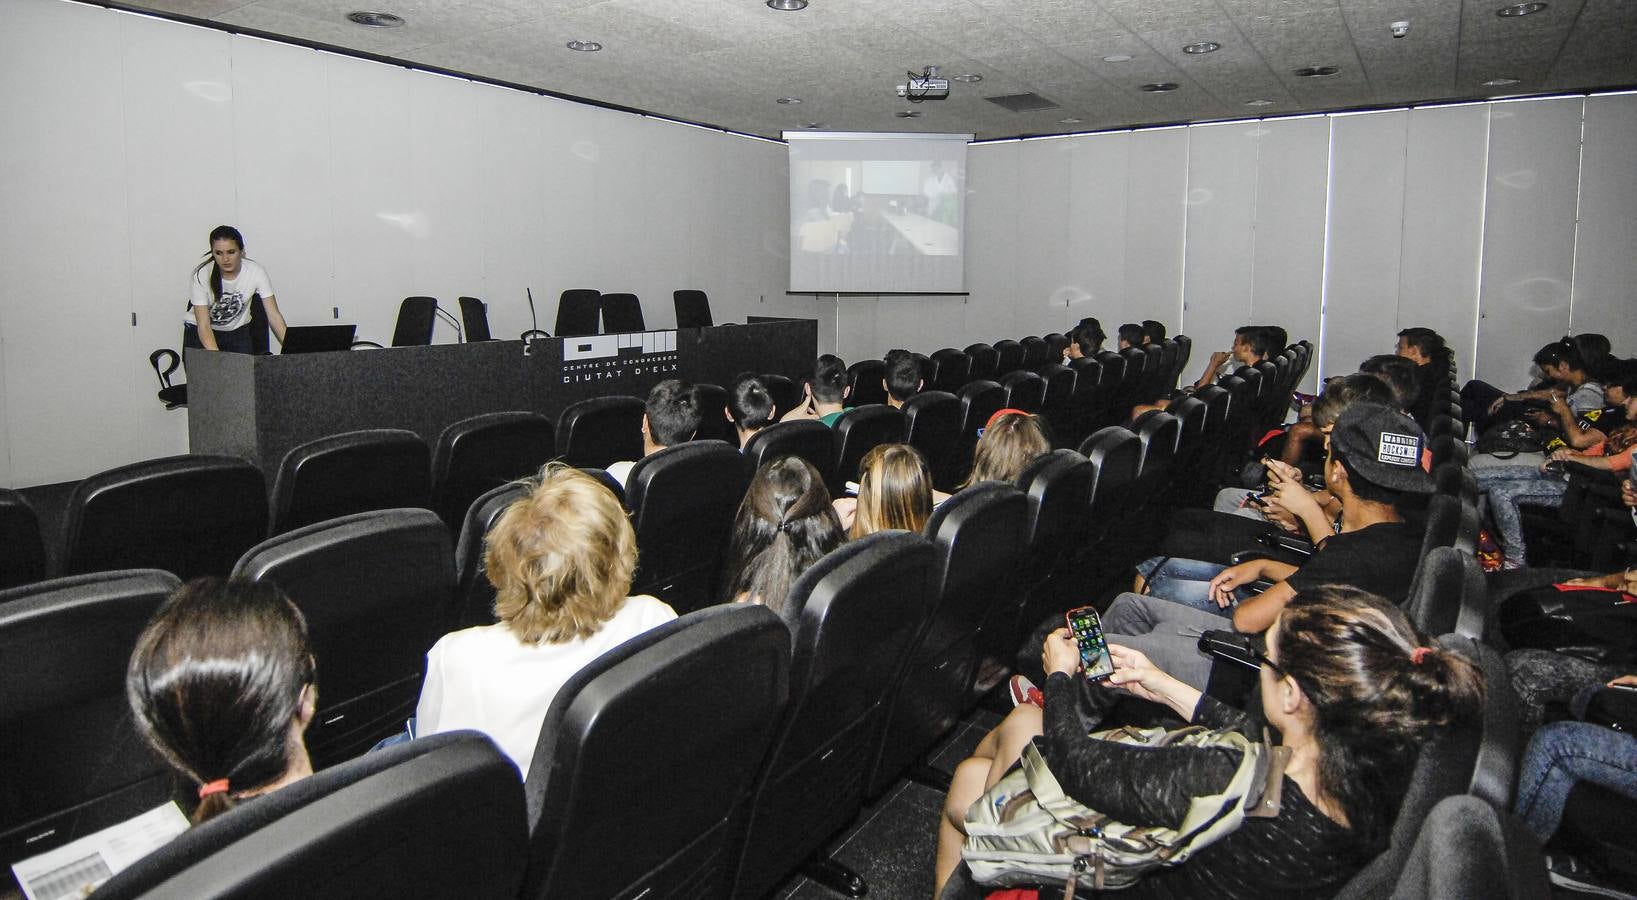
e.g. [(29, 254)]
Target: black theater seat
[(379, 468), (481, 453), (682, 501), (1024, 390), (441, 816), (1008, 357), (713, 419), (985, 363), (809, 439), (599, 432), (375, 588), (980, 400), (981, 538), (474, 595), (858, 431), (1036, 353), (1057, 403), (866, 378), (673, 725), (72, 759), (932, 425), (952, 369), (23, 558), (188, 515), (853, 615), (786, 394)]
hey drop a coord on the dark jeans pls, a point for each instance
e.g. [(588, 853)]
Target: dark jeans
[(235, 341)]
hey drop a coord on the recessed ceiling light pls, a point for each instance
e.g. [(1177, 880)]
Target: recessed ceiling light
[(1314, 71), (1519, 9), (1161, 87), (1258, 102), (967, 79), (1117, 57), (787, 5), (908, 114), (814, 125), (585, 46), (1500, 82), (1199, 47), (375, 19), (789, 100)]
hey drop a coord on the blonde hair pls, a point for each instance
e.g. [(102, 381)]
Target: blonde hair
[(894, 491), (560, 558), (1008, 445)]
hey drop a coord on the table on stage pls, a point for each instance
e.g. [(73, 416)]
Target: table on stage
[(259, 407), (929, 237)]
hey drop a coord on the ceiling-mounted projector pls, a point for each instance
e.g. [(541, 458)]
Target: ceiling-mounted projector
[(924, 86)]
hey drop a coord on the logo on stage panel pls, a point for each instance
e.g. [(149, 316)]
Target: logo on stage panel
[(601, 357)]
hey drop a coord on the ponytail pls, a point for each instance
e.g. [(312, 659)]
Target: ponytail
[(219, 233)]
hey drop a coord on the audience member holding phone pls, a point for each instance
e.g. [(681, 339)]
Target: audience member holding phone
[(1350, 688)]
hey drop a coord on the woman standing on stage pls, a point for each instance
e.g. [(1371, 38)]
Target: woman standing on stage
[(219, 295)]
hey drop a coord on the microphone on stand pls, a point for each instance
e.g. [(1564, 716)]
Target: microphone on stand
[(460, 337), (534, 332)]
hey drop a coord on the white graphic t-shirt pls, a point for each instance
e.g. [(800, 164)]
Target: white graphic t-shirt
[(232, 310)]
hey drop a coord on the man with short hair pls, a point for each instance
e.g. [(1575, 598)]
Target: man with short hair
[(672, 417), (1130, 335), (903, 377), (1251, 345), (1375, 466), (826, 390), (1085, 340)]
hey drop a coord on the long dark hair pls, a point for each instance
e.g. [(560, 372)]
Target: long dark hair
[(1376, 697), (219, 233), (784, 525), (216, 681)]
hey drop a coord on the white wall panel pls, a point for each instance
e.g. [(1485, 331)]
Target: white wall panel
[(510, 193), (1364, 239), (571, 159), (1096, 234), (996, 251), (1443, 226), (1219, 234), (379, 223), (1605, 273), (64, 241), (1043, 225), (1529, 225), (1155, 212), (447, 261), (1293, 165), (281, 153), (179, 156)]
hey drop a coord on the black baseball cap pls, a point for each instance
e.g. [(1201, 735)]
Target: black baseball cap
[(1385, 447)]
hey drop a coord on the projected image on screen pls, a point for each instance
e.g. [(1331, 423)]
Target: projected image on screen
[(884, 217)]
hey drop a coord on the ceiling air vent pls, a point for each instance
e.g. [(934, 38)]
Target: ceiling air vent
[(1020, 103)]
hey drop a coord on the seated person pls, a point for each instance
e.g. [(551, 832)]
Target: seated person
[(1348, 685), (750, 407), (784, 524), (1373, 469), (1129, 335), (672, 417), (825, 391), (1085, 340), (1562, 370), (1008, 443), (1153, 331), (1433, 370), (894, 491), (1509, 487), (1251, 345), (222, 685), (561, 560), (1399, 374), (903, 379)]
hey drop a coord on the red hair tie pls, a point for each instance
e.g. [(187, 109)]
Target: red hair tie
[(1419, 654), (219, 786)]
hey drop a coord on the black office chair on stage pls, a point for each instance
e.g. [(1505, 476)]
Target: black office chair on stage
[(693, 309), (416, 316), (165, 362), (75, 763), (622, 313), (474, 318), (187, 515), (578, 310), (439, 816), (375, 588), (377, 468), (675, 722)]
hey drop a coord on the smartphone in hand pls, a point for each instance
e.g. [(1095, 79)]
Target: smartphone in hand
[(1087, 629)]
